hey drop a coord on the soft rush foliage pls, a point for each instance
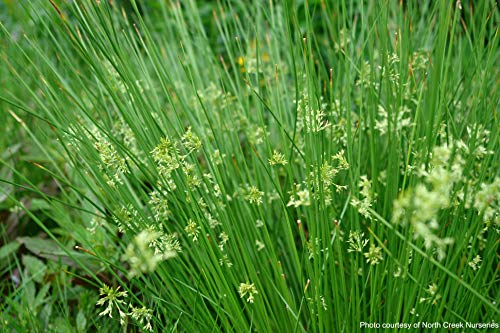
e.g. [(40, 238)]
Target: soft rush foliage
[(270, 166)]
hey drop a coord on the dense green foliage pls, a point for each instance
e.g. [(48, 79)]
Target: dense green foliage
[(270, 166)]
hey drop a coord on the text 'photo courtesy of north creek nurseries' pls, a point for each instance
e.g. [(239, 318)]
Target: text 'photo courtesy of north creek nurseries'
[(319, 166)]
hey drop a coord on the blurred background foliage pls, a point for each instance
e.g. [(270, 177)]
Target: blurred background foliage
[(25, 247)]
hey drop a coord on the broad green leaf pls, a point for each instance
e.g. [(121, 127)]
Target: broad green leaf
[(42, 293), (35, 268), (49, 249), (8, 249), (39, 204), (81, 321)]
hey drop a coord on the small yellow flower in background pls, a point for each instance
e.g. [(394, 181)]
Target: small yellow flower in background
[(192, 229), (247, 289), (241, 62), (113, 298), (374, 255), (265, 57)]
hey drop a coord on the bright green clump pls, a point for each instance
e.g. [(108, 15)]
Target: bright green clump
[(240, 166)]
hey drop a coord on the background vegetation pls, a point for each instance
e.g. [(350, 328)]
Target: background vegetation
[(248, 166)]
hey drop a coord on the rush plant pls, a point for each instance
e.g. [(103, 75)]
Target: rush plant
[(270, 166)]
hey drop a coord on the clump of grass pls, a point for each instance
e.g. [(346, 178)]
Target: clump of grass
[(329, 164)]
